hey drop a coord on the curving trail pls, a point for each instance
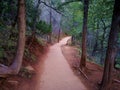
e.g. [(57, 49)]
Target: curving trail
[(57, 74)]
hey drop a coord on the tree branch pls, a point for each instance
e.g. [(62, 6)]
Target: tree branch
[(52, 8), (117, 81), (68, 2)]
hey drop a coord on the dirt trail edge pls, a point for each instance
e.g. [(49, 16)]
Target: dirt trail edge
[(57, 74)]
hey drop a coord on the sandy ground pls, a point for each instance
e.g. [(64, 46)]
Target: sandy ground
[(57, 74)]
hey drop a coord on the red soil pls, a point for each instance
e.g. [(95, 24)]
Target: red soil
[(57, 74), (25, 83), (93, 71)]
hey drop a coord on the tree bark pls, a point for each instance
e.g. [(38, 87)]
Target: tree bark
[(73, 40), (112, 48), (50, 12), (59, 35), (15, 67), (67, 2), (84, 35)]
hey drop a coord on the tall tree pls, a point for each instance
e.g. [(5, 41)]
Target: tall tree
[(84, 35), (112, 48), (15, 67)]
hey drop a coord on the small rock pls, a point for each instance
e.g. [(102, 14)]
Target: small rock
[(30, 68)]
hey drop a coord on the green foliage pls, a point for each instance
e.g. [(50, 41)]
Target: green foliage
[(29, 55), (72, 22), (99, 18), (30, 12), (1, 52), (41, 41), (25, 73), (118, 62), (8, 10), (55, 3), (99, 21), (96, 12), (8, 34), (43, 27), (30, 7)]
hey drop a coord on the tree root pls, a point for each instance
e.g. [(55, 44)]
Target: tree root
[(5, 71)]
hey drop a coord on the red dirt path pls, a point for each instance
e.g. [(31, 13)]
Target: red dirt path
[(52, 72), (93, 71), (57, 74)]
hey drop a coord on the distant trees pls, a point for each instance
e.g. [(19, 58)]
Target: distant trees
[(72, 22), (99, 27), (8, 9), (112, 48), (43, 27)]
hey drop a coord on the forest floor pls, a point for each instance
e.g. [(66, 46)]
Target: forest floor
[(51, 71), (26, 80), (93, 71)]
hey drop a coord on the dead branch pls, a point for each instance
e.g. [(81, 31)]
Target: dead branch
[(83, 73), (117, 81), (68, 2), (52, 8)]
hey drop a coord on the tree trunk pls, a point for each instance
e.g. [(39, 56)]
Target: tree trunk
[(112, 49), (84, 35), (73, 40), (15, 67), (50, 12), (59, 35)]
